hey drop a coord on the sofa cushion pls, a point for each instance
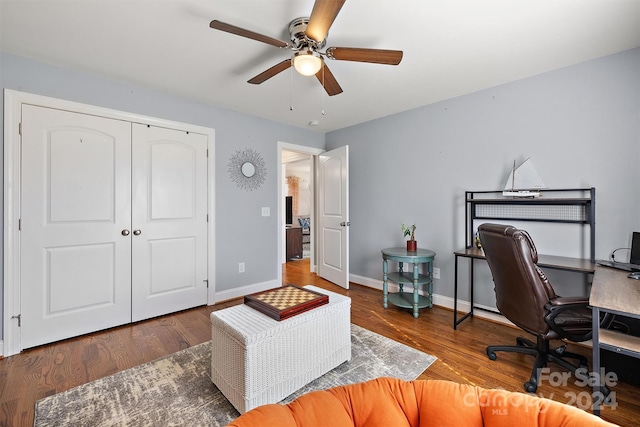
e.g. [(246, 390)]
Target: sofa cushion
[(387, 402), (304, 223)]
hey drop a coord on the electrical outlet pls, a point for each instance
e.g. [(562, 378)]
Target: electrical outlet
[(266, 211), (436, 273), (241, 267)]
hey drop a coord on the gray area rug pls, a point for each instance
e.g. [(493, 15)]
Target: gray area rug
[(177, 390)]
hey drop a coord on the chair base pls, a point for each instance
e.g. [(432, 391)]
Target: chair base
[(543, 354)]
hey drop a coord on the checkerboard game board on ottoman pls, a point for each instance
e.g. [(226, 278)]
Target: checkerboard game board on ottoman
[(256, 359)]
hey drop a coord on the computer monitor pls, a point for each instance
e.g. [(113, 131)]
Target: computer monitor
[(635, 248)]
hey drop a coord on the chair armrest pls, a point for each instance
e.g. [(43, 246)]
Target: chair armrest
[(570, 317), (562, 301)]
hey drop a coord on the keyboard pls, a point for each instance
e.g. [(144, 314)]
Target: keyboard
[(619, 265)]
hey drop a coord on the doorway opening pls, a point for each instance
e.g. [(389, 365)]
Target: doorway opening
[(328, 213), (298, 194), (296, 186)]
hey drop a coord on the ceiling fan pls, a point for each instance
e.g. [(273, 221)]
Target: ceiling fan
[(308, 37)]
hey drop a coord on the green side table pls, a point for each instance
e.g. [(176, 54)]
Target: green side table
[(416, 279)]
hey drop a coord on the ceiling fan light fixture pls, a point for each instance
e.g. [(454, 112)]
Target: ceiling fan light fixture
[(307, 62)]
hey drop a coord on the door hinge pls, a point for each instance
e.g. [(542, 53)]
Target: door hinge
[(207, 282), (207, 217), (19, 224), (19, 317), (20, 128), (207, 152)]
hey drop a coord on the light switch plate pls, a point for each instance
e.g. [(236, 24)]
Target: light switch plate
[(266, 211)]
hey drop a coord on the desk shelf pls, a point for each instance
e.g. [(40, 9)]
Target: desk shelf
[(576, 206), (620, 343)]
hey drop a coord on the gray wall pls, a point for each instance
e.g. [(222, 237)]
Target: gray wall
[(242, 234), (580, 125)]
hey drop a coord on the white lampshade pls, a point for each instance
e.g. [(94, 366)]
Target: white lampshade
[(307, 63)]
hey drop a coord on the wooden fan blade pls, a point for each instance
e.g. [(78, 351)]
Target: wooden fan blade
[(376, 56), (218, 25), (266, 75), (322, 16), (326, 78)]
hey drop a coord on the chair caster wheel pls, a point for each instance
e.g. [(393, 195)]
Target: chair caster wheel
[(530, 387), (492, 355), (560, 350)]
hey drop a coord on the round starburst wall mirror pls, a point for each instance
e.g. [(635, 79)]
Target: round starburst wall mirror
[(247, 169)]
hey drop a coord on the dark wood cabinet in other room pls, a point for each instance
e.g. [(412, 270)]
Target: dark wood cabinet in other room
[(294, 243)]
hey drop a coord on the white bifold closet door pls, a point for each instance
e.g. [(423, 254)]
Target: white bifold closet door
[(113, 223), (169, 221)]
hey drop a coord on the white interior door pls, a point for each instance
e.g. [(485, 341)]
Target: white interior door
[(333, 218), (76, 200), (169, 221)]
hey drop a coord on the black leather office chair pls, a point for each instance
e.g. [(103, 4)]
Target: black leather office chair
[(525, 297)]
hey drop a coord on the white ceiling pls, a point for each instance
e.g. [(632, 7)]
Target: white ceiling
[(451, 48)]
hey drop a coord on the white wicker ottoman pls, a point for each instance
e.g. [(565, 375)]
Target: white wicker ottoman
[(257, 360)]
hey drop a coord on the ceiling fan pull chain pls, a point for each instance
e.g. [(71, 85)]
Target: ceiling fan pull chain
[(290, 89), (322, 93)]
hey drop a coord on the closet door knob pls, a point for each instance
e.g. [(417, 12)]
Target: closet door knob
[(137, 232), (125, 232)]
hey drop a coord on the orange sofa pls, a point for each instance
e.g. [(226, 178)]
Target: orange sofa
[(389, 402)]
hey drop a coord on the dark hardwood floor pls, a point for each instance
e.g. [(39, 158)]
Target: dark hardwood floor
[(45, 370)]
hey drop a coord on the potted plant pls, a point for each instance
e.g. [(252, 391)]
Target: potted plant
[(412, 244)]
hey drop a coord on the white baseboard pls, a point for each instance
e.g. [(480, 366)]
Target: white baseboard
[(244, 290), (439, 300), (1, 348)]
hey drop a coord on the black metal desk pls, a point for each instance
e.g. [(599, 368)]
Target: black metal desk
[(577, 265)]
